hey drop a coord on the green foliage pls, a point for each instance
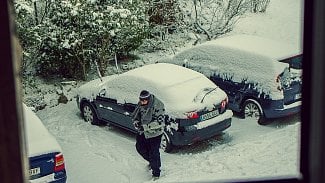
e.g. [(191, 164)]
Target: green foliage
[(67, 37), (73, 34)]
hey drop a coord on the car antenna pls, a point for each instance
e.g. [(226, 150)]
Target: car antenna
[(98, 72), (208, 93)]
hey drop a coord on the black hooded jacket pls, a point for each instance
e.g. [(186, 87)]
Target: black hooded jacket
[(151, 117)]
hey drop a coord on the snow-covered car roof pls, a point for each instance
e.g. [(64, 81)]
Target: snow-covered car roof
[(39, 139), (176, 86), (229, 58), (163, 75), (259, 45)]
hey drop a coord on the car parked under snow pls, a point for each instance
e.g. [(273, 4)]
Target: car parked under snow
[(46, 161), (249, 70), (196, 108)]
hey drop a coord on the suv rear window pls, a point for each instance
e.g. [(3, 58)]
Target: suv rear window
[(294, 62)]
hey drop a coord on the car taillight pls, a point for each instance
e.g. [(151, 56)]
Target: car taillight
[(277, 79), (224, 102), (59, 162), (192, 115)]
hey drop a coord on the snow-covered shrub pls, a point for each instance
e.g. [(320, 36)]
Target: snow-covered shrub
[(215, 17), (165, 19), (259, 5), (73, 34), (27, 31), (165, 13), (67, 37)]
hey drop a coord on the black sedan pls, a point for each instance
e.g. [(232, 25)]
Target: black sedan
[(196, 108)]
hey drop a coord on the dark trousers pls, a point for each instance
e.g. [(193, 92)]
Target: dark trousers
[(149, 150)]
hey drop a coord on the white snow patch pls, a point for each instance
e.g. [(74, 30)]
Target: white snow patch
[(39, 140)]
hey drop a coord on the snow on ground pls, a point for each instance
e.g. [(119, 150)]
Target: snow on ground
[(107, 154), (282, 21), (38, 138)]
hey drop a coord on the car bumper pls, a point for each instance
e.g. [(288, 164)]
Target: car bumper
[(202, 130), (52, 178), (284, 110)]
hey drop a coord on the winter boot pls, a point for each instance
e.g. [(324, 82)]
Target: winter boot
[(149, 167), (154, 178)]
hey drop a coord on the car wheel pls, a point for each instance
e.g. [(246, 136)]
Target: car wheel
[(166, 144), (89, 114), (252, 109)]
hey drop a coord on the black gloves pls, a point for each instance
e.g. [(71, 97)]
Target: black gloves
[(137, 125)]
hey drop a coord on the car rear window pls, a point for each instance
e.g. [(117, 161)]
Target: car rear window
[(294, 62)]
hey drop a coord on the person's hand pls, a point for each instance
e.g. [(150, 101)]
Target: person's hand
[(136, 124)]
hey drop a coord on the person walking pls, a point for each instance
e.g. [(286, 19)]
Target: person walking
[(149, 119)]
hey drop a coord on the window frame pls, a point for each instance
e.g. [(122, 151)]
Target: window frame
[(312, 159)]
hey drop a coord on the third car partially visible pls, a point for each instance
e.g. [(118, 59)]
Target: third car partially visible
[(249, 70)]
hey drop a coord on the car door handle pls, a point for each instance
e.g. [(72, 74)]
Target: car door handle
[(109, 108)]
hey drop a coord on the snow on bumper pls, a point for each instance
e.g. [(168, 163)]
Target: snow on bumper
[(285, 111), (50, 178), (203, 130), (207, 123)]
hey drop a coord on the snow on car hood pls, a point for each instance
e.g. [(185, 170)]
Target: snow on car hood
[(39, 139), (90, 89)]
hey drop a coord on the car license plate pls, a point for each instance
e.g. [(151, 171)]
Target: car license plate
[(298, 96), (34, 171), (209, 115)]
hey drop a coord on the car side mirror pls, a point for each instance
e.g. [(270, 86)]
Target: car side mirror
[(129, 107), (102, 92)]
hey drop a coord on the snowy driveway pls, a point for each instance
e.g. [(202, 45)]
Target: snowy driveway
[(107, 154)]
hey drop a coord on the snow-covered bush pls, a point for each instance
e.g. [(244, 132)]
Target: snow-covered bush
[(27, 31), (214, 17), (259, 5), (67, 37), (165, 20), (73, 34), (217, 17), (165, 14)]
